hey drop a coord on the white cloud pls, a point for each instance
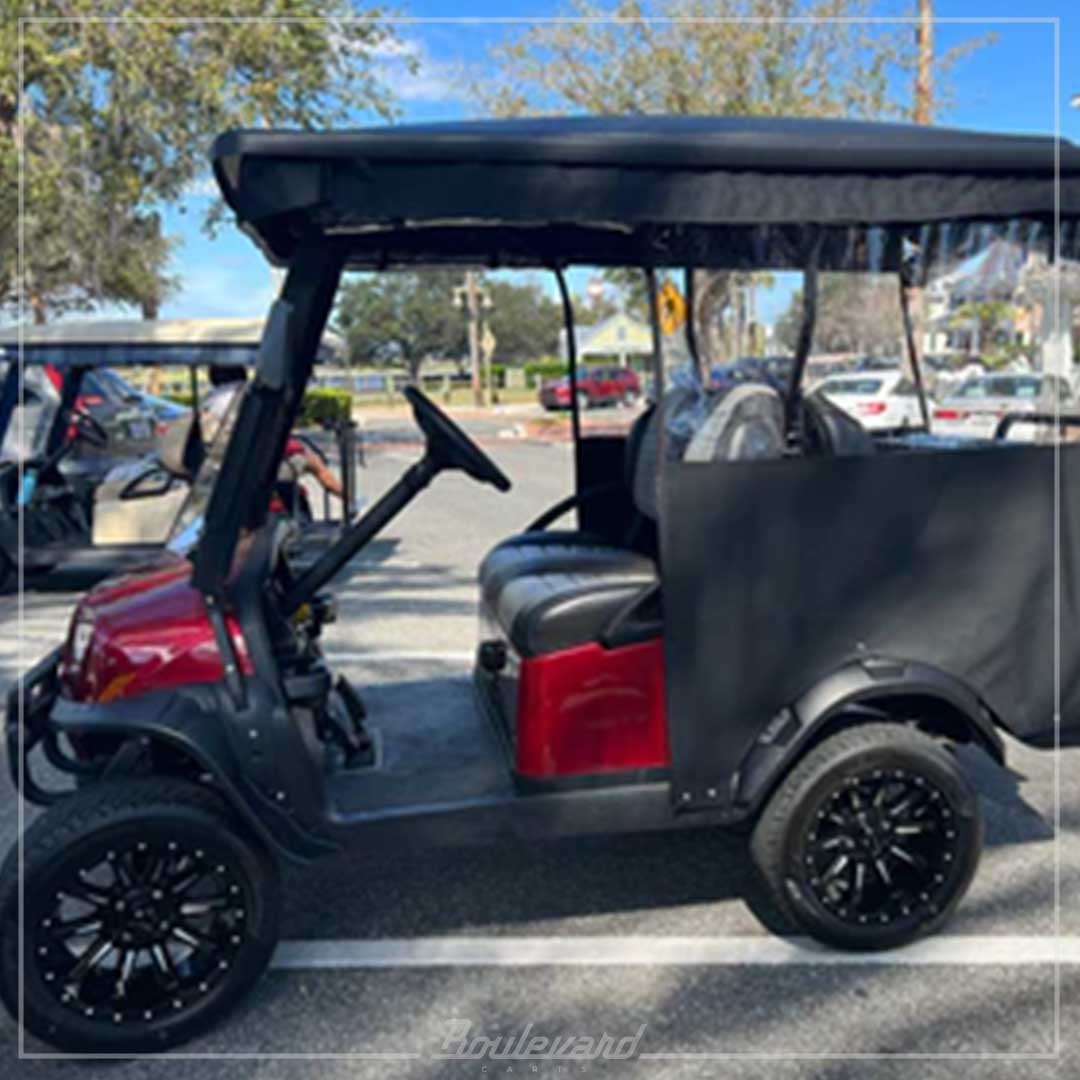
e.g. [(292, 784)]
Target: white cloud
[(433, 81)]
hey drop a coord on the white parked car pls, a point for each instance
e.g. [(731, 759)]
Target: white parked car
[(975, 408), (879, 400)]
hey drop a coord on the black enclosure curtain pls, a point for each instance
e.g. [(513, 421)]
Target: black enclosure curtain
[(691, 329), (571, 357)]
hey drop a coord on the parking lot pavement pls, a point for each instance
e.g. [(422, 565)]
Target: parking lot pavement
[(618, 909)]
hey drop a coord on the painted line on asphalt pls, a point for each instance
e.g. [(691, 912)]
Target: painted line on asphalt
[(402, 657), (952, 949)]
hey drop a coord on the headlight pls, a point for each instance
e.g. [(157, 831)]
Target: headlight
[(80, 639)]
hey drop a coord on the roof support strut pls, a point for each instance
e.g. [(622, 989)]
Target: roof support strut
[(571, 359)]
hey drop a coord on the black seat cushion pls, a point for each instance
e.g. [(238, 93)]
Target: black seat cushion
[(546, 612), (555, 553)]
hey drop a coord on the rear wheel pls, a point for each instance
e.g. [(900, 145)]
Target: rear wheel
[(872, 840), (148, 914)]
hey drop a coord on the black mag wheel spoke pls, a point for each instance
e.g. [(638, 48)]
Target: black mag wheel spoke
[(94, 895), (99, 948), (86, 924)]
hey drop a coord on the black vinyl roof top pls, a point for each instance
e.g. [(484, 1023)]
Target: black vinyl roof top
[(542, 190)]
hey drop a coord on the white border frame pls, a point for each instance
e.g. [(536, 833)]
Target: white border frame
[(1054, 21)]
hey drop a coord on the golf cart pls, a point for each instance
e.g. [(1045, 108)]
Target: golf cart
[(765, 618), (97, 513)]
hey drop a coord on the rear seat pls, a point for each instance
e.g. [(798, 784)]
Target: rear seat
[(553, 591)]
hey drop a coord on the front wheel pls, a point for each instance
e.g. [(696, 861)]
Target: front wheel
[(872, 840), (148, 914)]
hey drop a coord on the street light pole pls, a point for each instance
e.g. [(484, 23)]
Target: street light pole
[(472, 305)]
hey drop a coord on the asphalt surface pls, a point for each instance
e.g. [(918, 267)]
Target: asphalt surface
[(408, 621)]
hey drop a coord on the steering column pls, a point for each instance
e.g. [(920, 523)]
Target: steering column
[(448, 447)]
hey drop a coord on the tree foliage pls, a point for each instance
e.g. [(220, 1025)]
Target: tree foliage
[(408, 317), (713, 57), (118, 115), (856, 313), (401, 317), (525, 320)]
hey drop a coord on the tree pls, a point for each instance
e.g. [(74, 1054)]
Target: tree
[(856, 313), (524, 319), (989, 322), (718, 57), (118, 115), (403, 317)]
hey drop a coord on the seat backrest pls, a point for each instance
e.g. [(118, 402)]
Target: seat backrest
[(832, 432), (745, 424), (645, 471)]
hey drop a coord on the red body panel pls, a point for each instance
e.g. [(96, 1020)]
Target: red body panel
[(147, 630), (591, 710)]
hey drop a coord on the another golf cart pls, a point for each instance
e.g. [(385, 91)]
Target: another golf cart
[(764, 619), (97, 513)]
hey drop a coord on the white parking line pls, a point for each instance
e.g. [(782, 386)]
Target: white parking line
[(402, 657), (952, 949)]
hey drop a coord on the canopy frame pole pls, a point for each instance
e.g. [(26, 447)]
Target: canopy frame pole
[(691, 328), (913, 353), (572, 360), (793, 394), (654, 325)]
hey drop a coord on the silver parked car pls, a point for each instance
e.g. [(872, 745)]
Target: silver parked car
[(975, 408)]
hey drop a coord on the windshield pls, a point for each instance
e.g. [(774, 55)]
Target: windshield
[(851, 386), (998, 386), (189, 522), (28, 427)]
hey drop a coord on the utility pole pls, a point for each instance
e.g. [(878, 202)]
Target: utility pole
[(475, 300), (472, 300), (924, 77), (915, 300)]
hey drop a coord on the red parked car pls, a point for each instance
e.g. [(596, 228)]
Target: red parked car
[(595, 386)]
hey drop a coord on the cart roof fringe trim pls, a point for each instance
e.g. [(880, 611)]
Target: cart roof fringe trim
[(725, 192)]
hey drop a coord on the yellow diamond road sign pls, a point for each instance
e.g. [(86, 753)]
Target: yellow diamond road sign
[(672, 308)]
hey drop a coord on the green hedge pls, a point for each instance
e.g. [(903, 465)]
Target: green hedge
[(537, 371), (322, 405), (187, 399)]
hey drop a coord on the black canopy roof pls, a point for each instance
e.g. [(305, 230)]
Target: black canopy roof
[(617, 190)]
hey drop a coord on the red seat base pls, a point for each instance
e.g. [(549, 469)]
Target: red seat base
[(588, 709)]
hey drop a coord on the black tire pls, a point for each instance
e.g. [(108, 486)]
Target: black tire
[(156, 831), (813, 820)]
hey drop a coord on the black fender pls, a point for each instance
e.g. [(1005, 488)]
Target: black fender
[(197, 721), (853, 689)]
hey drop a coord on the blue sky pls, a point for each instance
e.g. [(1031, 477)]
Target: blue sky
[(1007, 86)]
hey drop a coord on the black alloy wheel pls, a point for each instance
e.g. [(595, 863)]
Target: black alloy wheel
[(147, 914), (872, 840)]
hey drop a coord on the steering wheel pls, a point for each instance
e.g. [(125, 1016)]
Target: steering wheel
[(88, 428), (449, 447)]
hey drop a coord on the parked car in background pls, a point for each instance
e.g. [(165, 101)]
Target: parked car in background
[(775, 370), (130, 417), (117, 390), (879, 400), (878, 363), (608, 385), (974, 409)]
